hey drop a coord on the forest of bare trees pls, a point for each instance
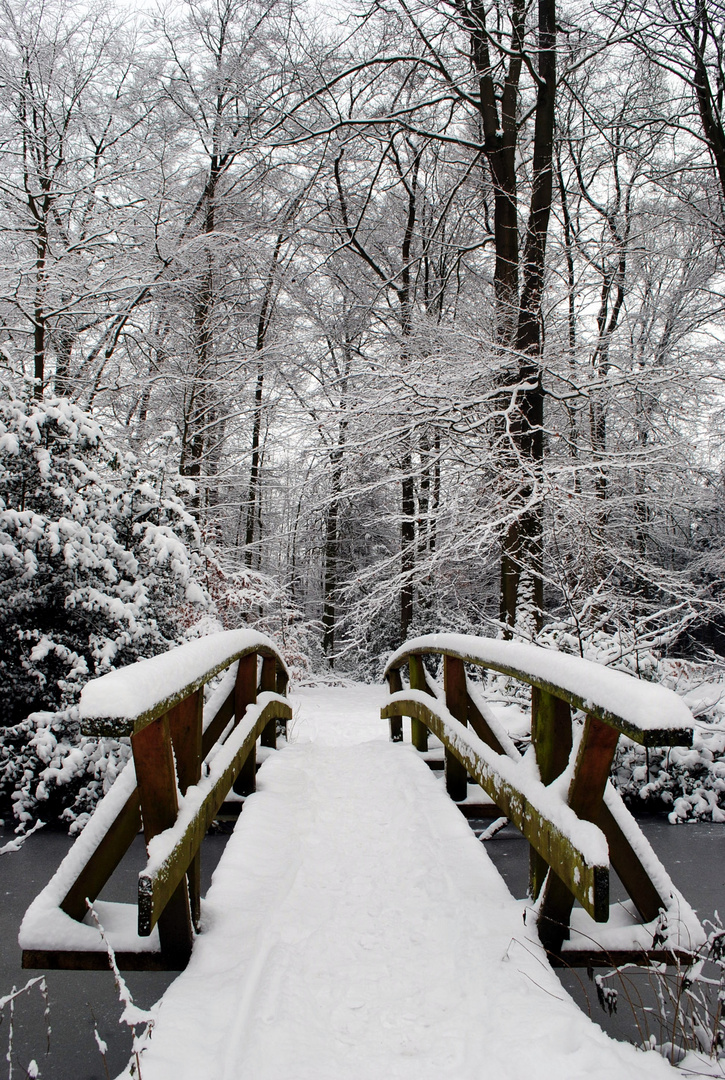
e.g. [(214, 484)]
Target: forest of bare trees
[(420, 309)]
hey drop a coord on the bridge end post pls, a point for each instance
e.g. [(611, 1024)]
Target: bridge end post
[(395, 685), (591, 772), (552, 739), (268, 683), (156, 778), (456, 691), (418, 681), (245, 693)]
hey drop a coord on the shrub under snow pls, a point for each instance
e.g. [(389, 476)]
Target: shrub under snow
[(97, 563)]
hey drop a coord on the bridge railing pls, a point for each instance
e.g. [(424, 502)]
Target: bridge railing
[(574, 820), (186, 757)]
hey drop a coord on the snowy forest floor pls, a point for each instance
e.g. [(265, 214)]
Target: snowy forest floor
[(355, 929)]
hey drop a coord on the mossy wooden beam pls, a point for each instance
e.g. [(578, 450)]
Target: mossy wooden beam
[(651, 736), (418, 681), (590, 884), (551, 736), (155, 889), (104, 860), (156, 777)]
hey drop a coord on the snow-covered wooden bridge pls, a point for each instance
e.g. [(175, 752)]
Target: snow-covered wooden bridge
[(355, 927)]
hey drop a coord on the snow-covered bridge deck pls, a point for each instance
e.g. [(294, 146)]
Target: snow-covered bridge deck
[(355, 928)]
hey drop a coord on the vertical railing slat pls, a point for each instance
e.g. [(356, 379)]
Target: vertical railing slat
[(268, 683), (591, 772), (156, 779), (246, 694), (551, 737), (185, 726), (395, 685), (454, 681), (418, 681)]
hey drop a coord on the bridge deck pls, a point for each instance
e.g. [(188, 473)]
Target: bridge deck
[(357, 930)]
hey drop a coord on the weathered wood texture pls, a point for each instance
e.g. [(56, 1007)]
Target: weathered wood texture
[(552, 739), (156, 778), (591, 771), (589, 883), (157, 887), (456, 691), (168, 750), (117, 726), (395, 685), (551, 727), (77, 960), (649, 736), (418, 681), (246, 694), (104, 860)]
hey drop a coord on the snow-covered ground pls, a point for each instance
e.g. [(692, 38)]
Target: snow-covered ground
[(356, 930)]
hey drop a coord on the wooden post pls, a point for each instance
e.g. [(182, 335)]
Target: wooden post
[(185, 724), (246, 694), (551, 736), (281, 687), (418, 681), (156, 778), (268, 683), (454, 681), (395, 685), (591, 771)]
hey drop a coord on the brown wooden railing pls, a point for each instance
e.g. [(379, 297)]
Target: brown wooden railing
[(565, 833), (159, 704)]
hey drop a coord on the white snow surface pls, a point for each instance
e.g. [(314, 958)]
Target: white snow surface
[(644, 705), (137, 689), (355, 929)]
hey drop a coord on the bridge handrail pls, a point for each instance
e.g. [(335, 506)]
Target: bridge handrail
[(618, 699), (159, 703), (565, 862), (124, 701)]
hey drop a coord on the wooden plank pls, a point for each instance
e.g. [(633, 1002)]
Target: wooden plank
[(185, 723), (456, 690), (69, 960), (480, 725), (104, 860), (156, 777), (395, 685), (217, 726), (590, 884), (610, 958), (418, 681), (268, 682), (552, 739), (591, 772), (629, 867), (246, 694), (154, 888), (282, 679)]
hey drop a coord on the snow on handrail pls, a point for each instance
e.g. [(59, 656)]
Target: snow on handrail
[(123, 702), (645, 712)]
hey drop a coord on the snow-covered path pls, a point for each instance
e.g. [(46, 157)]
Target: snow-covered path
[(356, 930)]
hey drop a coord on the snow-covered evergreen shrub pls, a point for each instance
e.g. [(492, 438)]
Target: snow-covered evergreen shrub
[(97, 569)]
